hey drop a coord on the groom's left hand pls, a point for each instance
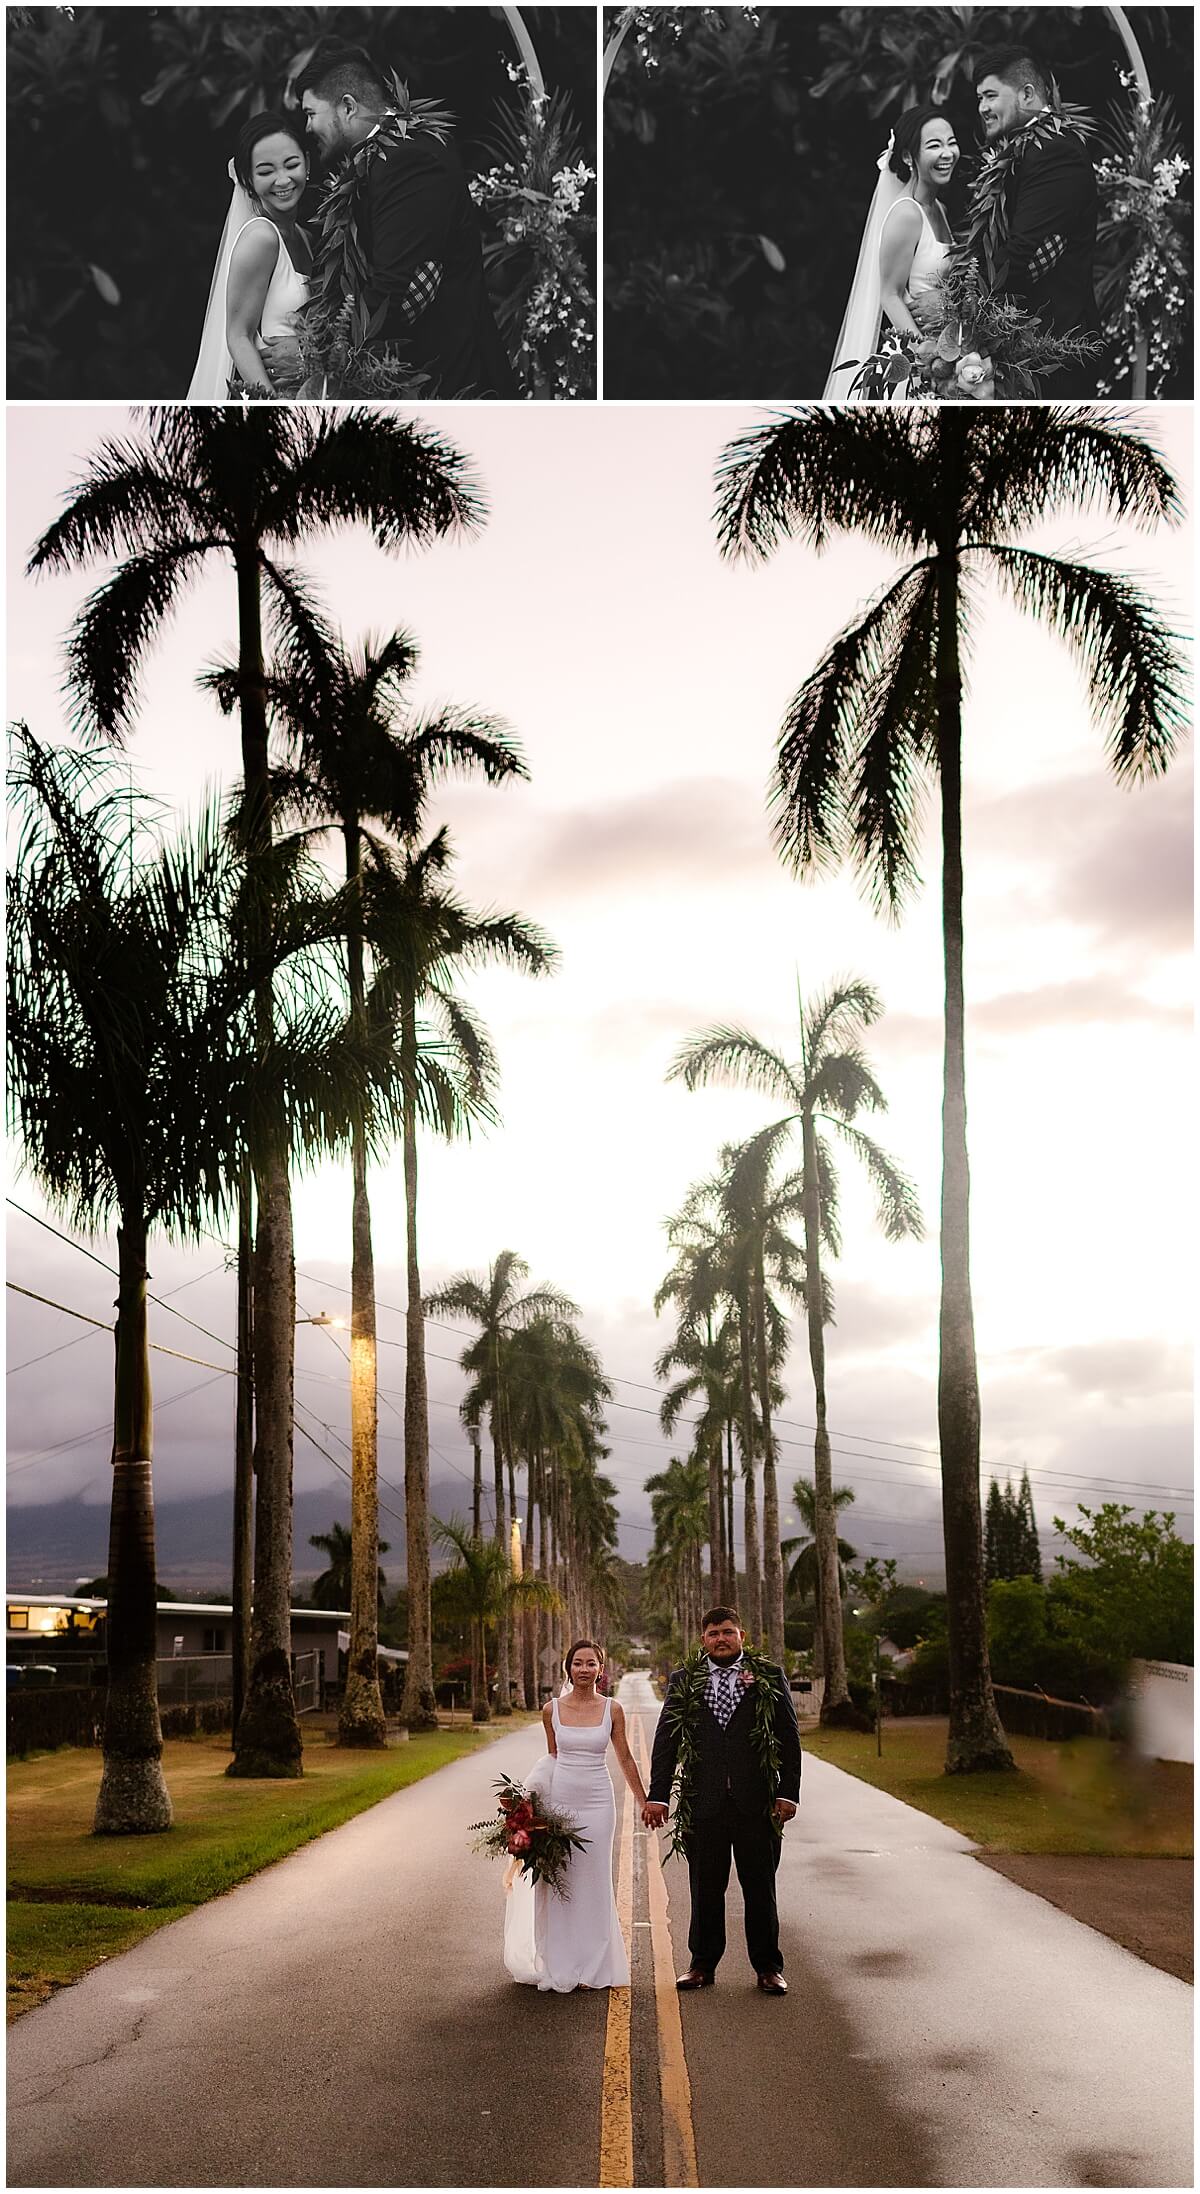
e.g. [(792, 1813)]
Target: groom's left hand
[(281, 356), (784, 1810)]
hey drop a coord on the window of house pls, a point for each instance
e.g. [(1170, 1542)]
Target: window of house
[(18, 1618), (214, 1641)]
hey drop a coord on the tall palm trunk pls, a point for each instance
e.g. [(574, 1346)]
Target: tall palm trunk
[(728, 1591), (418, 1707), (476, 1482), (976, 1739), (544, 1673), (772, 1556), (361, 1719), (133, 1798), (503, 1699), (268, 1734), (753, 1561), (836, 1704), (243, 1460), (512, 1621)]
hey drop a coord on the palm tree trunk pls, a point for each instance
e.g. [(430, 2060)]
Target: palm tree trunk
[(513, 1622), (133, 1798), (836, 1704), (268, 1734), (361, 1719), (503, 1700), (728, 1591), (976, 1739), (544, 1564), (753, 1621), (480, 1710), (772, 1557), (418, 1707), (243, 1464), (476, 1483)]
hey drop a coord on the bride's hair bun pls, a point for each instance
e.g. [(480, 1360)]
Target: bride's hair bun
[(270, 123), (907, 136)]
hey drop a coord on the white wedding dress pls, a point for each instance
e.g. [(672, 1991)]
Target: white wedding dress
[(572, 1941), (287, 291), (929, 258)]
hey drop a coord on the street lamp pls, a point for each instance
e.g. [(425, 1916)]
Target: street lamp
[(322, 1319)]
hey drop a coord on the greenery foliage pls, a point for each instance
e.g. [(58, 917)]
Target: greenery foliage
[(107, 285), (1010, 1532), (740, 159)]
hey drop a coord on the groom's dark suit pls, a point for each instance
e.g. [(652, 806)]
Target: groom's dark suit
[(420, 238), (1050, 250), (730, 1817)]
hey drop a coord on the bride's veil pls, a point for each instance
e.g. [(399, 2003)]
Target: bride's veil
[(210, 381), (859, 335)]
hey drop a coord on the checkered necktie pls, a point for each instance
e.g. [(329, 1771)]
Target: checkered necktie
[(722, 1699)]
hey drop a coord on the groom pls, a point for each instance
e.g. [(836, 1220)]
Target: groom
[(1046, 258), (417, 229), (736, 1798)]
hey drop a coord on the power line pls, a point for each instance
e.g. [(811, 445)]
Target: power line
[(1047, 1473)]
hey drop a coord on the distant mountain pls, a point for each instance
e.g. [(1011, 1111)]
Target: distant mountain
[(54, 1544)]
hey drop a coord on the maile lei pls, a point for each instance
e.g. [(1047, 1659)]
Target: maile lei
[(988, 219), (340, 272), (684, 1708)]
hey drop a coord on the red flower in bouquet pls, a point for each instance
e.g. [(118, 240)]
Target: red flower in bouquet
[(518, 1821)]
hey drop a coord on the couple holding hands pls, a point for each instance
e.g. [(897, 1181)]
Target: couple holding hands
[(728, 1737)]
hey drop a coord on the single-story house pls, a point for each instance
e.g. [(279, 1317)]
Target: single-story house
[(65, 1632)]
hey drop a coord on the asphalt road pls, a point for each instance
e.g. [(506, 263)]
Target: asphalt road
[(344, 2020)]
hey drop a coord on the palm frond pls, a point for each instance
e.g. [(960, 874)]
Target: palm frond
[(854, 742), (1025, 461), (1133, 666), (822, 470), (897, 1205)]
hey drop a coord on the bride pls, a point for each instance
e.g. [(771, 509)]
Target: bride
[(261, 277), (905, 245), (575, 1941)]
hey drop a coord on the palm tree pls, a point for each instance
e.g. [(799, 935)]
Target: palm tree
[(945, 486), (480, 1585), (424, 938), (243, 484), (829, 1086), (334, 1585), (804, 1575), (712, 1266), (363, 766), (679, 1512), (132, 1076), (706, 1356), (757, 1211), (494, 1302), (554, 1391)]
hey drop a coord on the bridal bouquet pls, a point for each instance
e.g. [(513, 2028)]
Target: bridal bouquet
[(531, 1833), (978, 346)]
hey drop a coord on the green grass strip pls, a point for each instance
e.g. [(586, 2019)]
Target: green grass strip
[(1080, 1796), (76, 1899)]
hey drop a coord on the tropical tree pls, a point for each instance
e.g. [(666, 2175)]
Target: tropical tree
[(424, 938), (334, 1585), (248, 485), (829, 1086), (945, 486), (555, 1390), (132, 1076), (494, 1301), (804, 1574), (480, 1586), (679, 1512), (706, 1356), (361, 765)]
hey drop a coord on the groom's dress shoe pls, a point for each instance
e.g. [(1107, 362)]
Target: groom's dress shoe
[(772, 1984), (695, 1977)]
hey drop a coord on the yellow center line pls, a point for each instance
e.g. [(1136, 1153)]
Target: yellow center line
[(679, 2138), (616, 2095)]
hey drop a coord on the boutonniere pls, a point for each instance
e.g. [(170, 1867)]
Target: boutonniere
[(745, 1678)]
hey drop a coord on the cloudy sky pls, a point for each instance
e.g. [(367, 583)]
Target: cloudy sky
[(646, 681)]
